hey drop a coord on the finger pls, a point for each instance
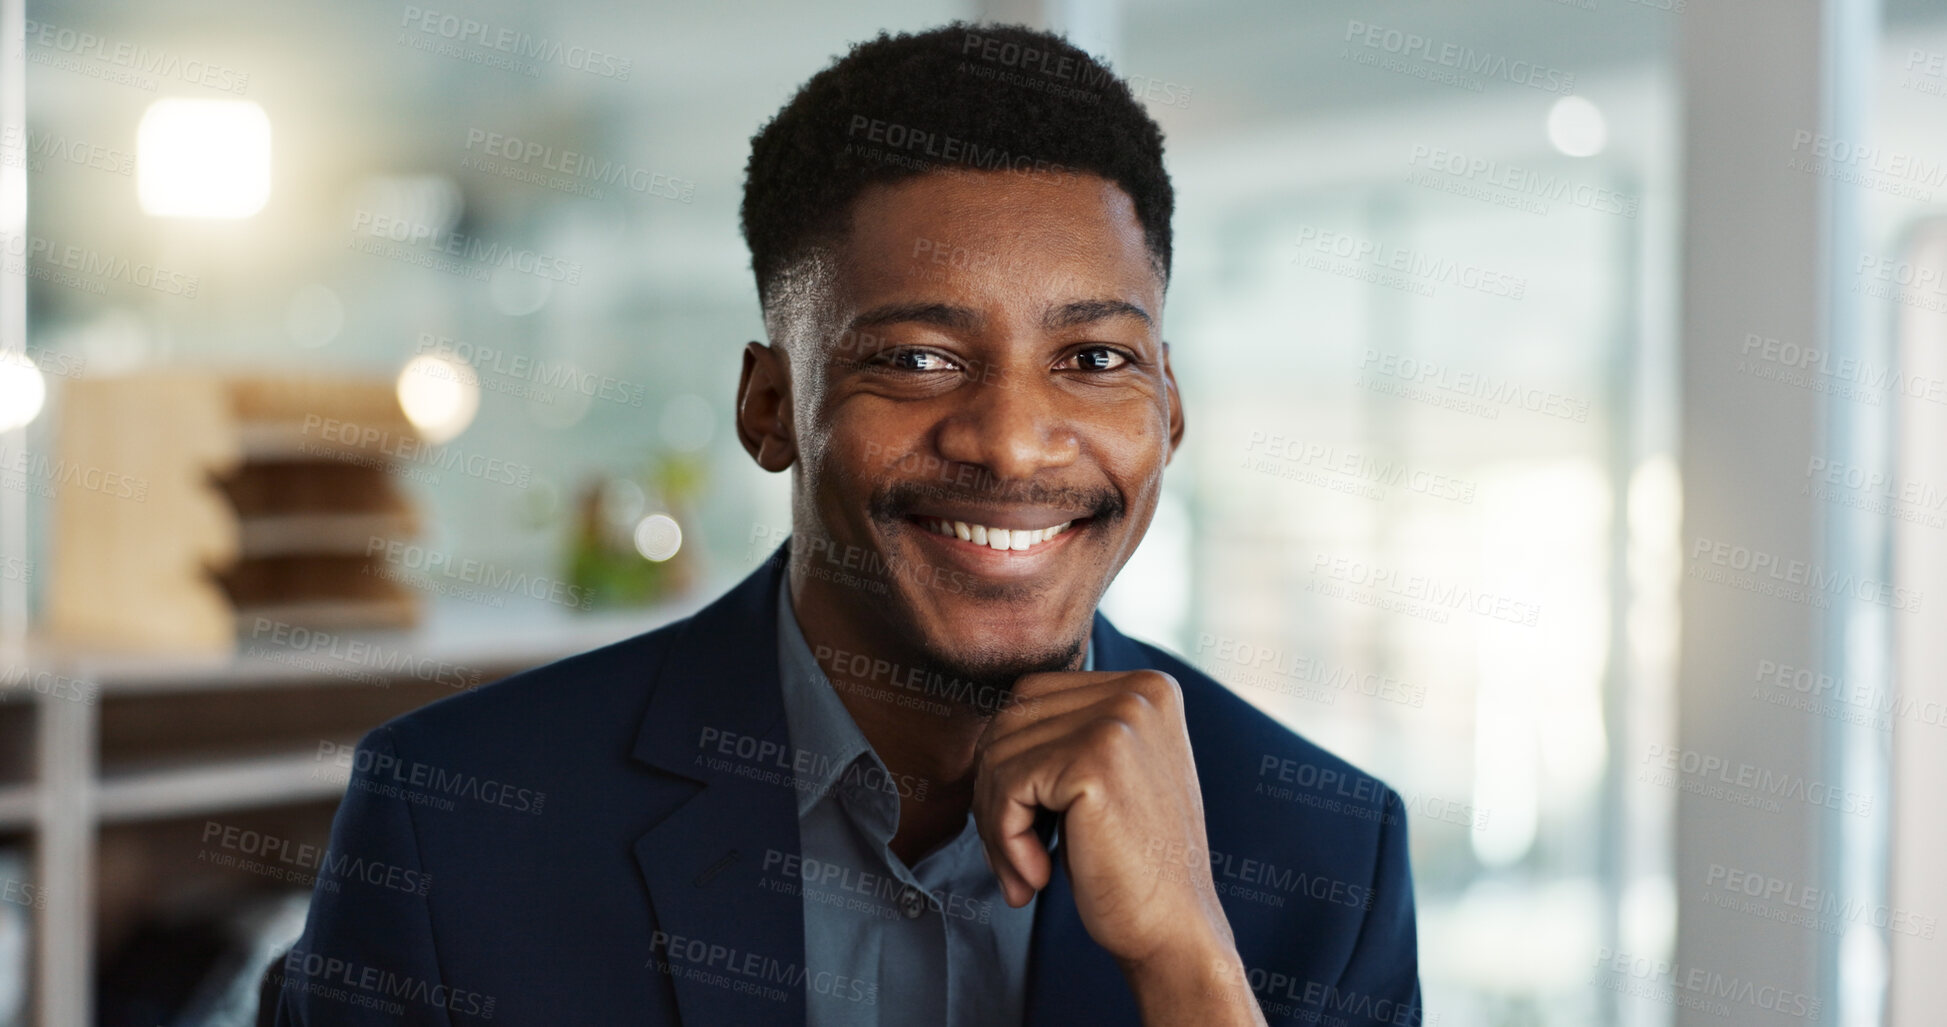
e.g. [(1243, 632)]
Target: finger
[(1034, 691), (1017, 715), (999, 747), (1007, 797), (988, 795)]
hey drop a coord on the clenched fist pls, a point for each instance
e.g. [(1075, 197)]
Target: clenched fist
[(1109, 751)]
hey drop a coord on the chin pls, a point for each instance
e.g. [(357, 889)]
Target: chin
[(998, 662)]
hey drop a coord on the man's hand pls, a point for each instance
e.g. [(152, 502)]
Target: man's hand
[(1110, 751)]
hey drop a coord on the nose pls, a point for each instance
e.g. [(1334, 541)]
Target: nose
[(1011, 425)]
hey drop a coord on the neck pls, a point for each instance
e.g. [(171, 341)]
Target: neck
[(929, 738)]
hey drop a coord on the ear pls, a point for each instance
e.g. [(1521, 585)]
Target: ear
[(1175, 397), (764, 408)]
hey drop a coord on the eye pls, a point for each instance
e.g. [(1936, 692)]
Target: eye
[(1100, 358), (921, 361)]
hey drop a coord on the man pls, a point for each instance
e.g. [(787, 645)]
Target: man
[(903, 773)]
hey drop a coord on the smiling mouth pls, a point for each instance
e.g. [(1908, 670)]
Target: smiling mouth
[(1019, 540)]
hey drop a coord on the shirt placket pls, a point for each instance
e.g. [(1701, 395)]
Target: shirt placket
[(914, 959)]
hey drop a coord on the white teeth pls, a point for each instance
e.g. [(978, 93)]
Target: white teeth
[(1000, 539)]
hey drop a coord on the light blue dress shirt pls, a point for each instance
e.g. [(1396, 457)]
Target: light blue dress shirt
[(886, 944)]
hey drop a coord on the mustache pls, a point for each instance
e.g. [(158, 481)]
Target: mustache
[(893, 500)]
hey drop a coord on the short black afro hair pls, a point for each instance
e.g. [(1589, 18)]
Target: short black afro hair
[(966, 97)]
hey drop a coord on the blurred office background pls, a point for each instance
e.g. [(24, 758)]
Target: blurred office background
[(1623, 318)]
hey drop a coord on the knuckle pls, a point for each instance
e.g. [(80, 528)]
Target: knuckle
[(1159, 688), (1131, 706), (1110, 732)]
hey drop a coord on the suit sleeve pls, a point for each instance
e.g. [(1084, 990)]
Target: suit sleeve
[(1381, 981), (366, 956)]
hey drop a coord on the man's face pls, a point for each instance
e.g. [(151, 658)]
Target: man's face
[(981, 359)]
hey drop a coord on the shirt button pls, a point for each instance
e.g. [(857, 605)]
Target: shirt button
[(910, 903)]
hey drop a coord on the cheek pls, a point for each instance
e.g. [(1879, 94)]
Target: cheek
[(876, 443), (1133, 437)]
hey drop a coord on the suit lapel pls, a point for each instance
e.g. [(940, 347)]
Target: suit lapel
[(1071, 979), (732, 950), (702, 861)]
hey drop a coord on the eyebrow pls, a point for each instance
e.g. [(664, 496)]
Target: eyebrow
[(946, 315), (1082, 312)]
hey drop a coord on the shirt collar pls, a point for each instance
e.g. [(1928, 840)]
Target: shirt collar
[(824, 737)]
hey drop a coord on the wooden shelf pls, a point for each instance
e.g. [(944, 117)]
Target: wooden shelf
[(245, 764), (493, 641)]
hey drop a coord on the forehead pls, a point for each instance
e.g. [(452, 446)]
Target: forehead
[(996, 239)]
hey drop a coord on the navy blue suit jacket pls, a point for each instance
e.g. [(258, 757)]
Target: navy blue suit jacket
[(583, 843)]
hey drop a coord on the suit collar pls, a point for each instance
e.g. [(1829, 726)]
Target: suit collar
[(716, 717), (705, 855)]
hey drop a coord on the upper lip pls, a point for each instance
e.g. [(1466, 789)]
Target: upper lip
[(1025, 518)]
